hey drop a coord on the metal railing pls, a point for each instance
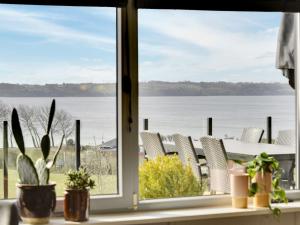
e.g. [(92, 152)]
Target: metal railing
[(5, 154), (210, 127)]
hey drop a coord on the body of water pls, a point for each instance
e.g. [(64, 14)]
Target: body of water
[(168, 115)]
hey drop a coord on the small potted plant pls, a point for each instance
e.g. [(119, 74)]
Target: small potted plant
[(36, 195), (77, 198), (265, 175)]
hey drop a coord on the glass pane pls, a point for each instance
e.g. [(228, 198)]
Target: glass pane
[(195, 65), (67, 54)]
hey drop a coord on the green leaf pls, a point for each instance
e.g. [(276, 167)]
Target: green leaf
[(51, 116), (253, 189), (17, 131), (45, 146)]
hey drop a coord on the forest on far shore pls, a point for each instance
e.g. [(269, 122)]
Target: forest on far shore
[(151, 88)]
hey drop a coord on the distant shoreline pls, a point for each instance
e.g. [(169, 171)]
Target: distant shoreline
[(146, 96), (148, 89)]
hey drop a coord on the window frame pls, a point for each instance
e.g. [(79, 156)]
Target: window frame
[(127, 96)]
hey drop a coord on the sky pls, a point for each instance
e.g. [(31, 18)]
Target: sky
[(44, 44)]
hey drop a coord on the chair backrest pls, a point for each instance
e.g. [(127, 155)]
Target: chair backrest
[(252, 135), (216, 158), (152, 144), (186, 151), (285, 137)]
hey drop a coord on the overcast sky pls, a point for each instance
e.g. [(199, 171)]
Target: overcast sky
[(42, 44)]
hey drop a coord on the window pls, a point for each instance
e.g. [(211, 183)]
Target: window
[(125, 126), (68, 54), (196, 67)]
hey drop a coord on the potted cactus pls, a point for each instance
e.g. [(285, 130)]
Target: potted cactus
[(36, 196), (77, 198)]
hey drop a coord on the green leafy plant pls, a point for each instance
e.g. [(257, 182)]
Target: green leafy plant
[(79, 180), (167, 177), (263, 163), (37, 173)]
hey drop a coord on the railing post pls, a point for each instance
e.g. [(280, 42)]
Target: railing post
[(146, 124), (5, 160), (77, 144), (269, 129), (209, 126)]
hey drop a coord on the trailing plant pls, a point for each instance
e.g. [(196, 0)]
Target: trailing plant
[(167, 177), (37, 173), (79, 179), (266, 164)]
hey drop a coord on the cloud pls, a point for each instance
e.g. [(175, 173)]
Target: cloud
[(35, 24), (173, 45), (200, 46), (41, 73)]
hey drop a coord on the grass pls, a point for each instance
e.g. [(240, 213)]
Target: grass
[(97, 162), (106, 185)]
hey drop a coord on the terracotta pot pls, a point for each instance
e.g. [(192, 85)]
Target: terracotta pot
[(239, 186), (76, 205), (36, 202), (262, 197)]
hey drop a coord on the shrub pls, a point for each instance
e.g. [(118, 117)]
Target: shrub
[(167, 177)]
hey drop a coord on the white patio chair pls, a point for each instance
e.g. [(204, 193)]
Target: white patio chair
[(152, 144), (252, 135), (216, 158), (285, 137), (186, 151)]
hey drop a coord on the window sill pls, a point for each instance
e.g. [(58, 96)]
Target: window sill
[(177, 215)]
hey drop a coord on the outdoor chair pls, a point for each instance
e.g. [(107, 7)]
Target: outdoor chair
[(187, 154), (285, 137), (152, 144), (216, 158), (287, 174), (252, 135)]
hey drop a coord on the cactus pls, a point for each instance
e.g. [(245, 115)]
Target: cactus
[(30, 173), (26, 170), (42, 171)]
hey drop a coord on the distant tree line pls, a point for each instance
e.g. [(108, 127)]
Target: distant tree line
[(34, 122), (151, 88)]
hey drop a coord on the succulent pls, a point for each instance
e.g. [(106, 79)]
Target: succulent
[(34, 173), (79, 179)]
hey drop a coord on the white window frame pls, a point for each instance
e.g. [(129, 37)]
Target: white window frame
[(128, 131)]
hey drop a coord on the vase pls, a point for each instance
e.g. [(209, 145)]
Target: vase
[(36, 202), (239, 186), (76, 205), (264, 184)]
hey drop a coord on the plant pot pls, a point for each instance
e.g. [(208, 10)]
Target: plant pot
[(239, 184), (76, 205), (36, 202), (264, 183)]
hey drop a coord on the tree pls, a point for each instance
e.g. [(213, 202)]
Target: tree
[(42, 114), (65, 124), (28, 118), (5, 112)]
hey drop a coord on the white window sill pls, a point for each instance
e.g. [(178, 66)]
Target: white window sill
[(177, 215)]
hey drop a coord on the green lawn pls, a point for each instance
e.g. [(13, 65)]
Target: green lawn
[(106, 185)]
